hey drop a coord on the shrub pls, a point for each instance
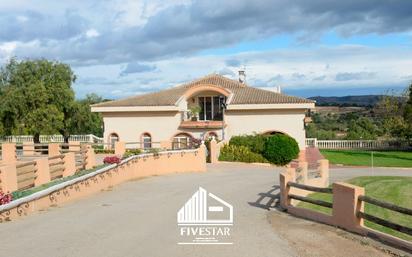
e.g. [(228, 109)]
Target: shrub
[(239, 153), (256, 143), (281, 149), (104, 151), (131, 152), (111, 160), (5, 198)]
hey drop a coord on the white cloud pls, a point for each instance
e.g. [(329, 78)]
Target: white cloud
[(92, 33)]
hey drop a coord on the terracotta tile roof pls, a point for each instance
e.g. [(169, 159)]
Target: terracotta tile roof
[(242, 94)]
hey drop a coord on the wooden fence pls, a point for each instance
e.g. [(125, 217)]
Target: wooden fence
[(347, 207), (358, 144)]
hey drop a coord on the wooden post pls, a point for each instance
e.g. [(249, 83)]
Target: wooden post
[(43, 172), (54, 149), (8, 152), (69, 164), (346, 205), (8, 178)]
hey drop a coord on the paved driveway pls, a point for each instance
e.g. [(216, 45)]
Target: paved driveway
[(138, 218)]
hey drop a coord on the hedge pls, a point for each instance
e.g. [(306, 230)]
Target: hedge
[(234, 153), (281, 149)]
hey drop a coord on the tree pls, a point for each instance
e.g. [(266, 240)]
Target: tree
[(36, 97), (407, 113), (362, 128)]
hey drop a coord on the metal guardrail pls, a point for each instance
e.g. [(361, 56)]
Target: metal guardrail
[(383, 222)]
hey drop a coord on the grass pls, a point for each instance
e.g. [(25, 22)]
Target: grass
[(396, 190), (363, 158), (19, 194)]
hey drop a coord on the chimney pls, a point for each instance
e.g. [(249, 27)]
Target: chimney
[(242, 76)]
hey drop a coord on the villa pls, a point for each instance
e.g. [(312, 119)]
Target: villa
[(210, 106)]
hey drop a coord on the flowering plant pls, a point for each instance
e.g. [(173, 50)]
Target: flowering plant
[(111, 160), (5, 198)]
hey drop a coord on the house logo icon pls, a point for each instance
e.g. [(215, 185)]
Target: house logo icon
[(205, 219)]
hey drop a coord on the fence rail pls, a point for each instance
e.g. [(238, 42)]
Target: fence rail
[(383, 222), (357, 144), (313, 189)]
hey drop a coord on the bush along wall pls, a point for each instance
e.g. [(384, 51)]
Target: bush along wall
[(278, 149)]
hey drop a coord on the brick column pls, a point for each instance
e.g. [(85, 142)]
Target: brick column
[(346, 205), (8, 152), (54, 149), (8, 178), (42, 172), (119, 148), (69, 164)]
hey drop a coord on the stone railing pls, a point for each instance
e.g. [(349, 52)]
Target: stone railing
[(52, 138), (347, 206), (358, 144), (134, 167)]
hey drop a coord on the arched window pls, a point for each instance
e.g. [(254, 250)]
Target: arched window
[(182, 141), (147, 141), (211, 135), (113, 138)]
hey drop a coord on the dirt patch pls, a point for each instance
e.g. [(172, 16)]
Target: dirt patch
[(311, 239)]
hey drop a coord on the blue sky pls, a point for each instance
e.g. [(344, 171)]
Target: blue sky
[(120, 48)]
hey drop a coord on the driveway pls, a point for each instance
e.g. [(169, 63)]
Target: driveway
[(138, 218)]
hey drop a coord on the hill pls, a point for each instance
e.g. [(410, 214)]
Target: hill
[(352, 100)]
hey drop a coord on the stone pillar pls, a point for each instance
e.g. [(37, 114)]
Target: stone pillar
[(28, 149), (8, 153), (323, 166), (284, 178), (303, 172), (69, 164), (119, 148), (42, 172), (54, 149), (302, 155), (74, 146), (213, 151), (89, 156), (346, 205), (202, 154), (8, 178)]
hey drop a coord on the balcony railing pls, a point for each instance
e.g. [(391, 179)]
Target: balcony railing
[(188, 122)]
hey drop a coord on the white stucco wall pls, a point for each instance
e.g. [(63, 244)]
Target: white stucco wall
[(290, 122), (162, 126)]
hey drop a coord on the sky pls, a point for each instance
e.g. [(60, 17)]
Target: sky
[(119, 48)]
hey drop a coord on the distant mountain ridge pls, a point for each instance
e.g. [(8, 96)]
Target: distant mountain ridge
[(351, 100)]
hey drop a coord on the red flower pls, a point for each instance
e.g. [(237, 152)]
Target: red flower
[(5, 198), (111, 160)]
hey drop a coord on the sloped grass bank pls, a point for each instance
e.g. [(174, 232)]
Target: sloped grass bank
[(396, 190)]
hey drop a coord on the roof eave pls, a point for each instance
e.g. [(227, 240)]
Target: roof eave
[(270, 106), (134, 108)]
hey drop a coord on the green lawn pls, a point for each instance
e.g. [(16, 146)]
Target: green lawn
[(363, 158), (396, 190)]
